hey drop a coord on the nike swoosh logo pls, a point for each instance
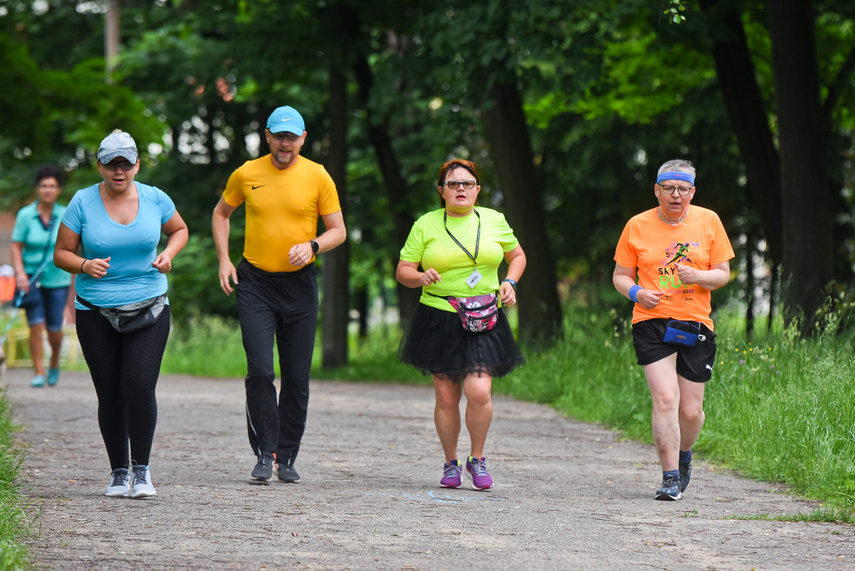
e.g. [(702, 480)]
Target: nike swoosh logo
[(259, 186), (288, 119)]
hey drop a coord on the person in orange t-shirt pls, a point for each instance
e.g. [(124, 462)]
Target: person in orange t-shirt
[(276, 282), (679, 254)]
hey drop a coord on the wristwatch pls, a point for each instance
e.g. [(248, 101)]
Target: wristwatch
[(512, 282), (315, 246)]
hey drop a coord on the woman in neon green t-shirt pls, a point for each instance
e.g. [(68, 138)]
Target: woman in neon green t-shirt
[(455, 252)]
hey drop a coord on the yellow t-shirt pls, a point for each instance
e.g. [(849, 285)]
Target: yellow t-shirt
[(430, 245), (655, 248), (282, 208)]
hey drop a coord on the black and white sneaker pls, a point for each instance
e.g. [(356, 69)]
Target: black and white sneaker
[(288, 474), (141, 486), (119, 483), (264, 468), (670, 490)]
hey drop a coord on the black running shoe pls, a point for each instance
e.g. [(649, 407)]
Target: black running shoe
[(264, 469), (685, 475), (288, 474), (670, 490)]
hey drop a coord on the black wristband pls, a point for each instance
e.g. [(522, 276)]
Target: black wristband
[(315, 246)]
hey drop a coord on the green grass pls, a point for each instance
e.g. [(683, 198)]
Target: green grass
[(17, 514), (819, 515)]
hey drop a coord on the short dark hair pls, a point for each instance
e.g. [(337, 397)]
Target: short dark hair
[(50, 171)]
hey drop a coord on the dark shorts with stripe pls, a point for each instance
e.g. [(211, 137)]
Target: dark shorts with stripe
[(693, 363)]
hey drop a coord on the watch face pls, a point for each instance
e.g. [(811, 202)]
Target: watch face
[(315, 247)]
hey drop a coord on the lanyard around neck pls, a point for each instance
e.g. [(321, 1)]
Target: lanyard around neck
[(456, 241)]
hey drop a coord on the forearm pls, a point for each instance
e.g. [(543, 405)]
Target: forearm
[(220, 227), (16, 252), (330, 239), (68, 261), (176, 242), (713, 278), (409, 276), (623, 283)]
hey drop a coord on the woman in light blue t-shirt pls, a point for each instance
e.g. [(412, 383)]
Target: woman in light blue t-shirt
[(109, 235)]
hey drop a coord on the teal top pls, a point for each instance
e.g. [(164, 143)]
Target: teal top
[(36, 239), (430, 245)]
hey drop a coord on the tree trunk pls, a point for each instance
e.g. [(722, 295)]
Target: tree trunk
[(808, 259), (737, 80), (335, 309), (112, 35), (540, 315), (394, 182)]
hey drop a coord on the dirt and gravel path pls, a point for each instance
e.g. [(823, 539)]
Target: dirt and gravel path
[(568, 495)]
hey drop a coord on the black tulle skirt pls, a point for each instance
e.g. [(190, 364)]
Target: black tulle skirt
[(435, 343)]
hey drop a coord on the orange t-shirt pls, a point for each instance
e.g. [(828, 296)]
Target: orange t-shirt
[(655, 248)]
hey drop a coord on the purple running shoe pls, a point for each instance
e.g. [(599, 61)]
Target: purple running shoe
[(451, 474), (476, 468)]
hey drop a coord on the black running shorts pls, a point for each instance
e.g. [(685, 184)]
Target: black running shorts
[(693, 363)]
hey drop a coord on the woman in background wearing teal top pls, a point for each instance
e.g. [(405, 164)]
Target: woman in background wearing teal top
[(456, 252), (50, 295)]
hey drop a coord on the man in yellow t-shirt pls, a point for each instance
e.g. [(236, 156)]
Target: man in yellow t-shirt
[(276, 282)]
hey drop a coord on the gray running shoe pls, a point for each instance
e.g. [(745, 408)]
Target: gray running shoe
[(119, 483), (288, 474), (670, 490), (264, 468), (141, 486)]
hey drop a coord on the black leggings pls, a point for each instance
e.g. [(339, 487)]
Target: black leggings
[(124, 369)]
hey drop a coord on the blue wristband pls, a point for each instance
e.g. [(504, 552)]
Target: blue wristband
[(633, 293)]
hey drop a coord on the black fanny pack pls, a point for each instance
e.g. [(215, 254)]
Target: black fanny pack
[(131, 317)]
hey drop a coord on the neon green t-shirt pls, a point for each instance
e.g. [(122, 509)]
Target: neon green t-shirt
[(431, 246)]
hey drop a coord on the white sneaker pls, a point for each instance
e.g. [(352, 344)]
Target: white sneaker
[(119, 483), (141, 486)]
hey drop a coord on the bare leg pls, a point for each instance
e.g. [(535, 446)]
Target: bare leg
[(479, 410), (55, 341), (446, 415), (691, 412), (37, 348), (662, 379)]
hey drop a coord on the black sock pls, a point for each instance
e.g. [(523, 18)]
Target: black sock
[(685, 457)]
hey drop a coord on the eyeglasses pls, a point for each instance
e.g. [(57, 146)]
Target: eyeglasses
[(124, 165), (455, 184), (683, 190)]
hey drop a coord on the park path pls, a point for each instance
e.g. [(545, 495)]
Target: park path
[(568, 495)]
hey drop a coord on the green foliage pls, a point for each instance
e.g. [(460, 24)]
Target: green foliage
[(207, 347), (674, 11)]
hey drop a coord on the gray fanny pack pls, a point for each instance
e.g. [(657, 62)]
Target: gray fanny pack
[(131, 317)]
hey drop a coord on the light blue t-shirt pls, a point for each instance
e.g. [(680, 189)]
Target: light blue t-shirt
[(131, 247), (36, 240)]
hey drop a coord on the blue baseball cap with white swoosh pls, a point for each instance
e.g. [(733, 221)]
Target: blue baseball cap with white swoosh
[(286, 119)]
